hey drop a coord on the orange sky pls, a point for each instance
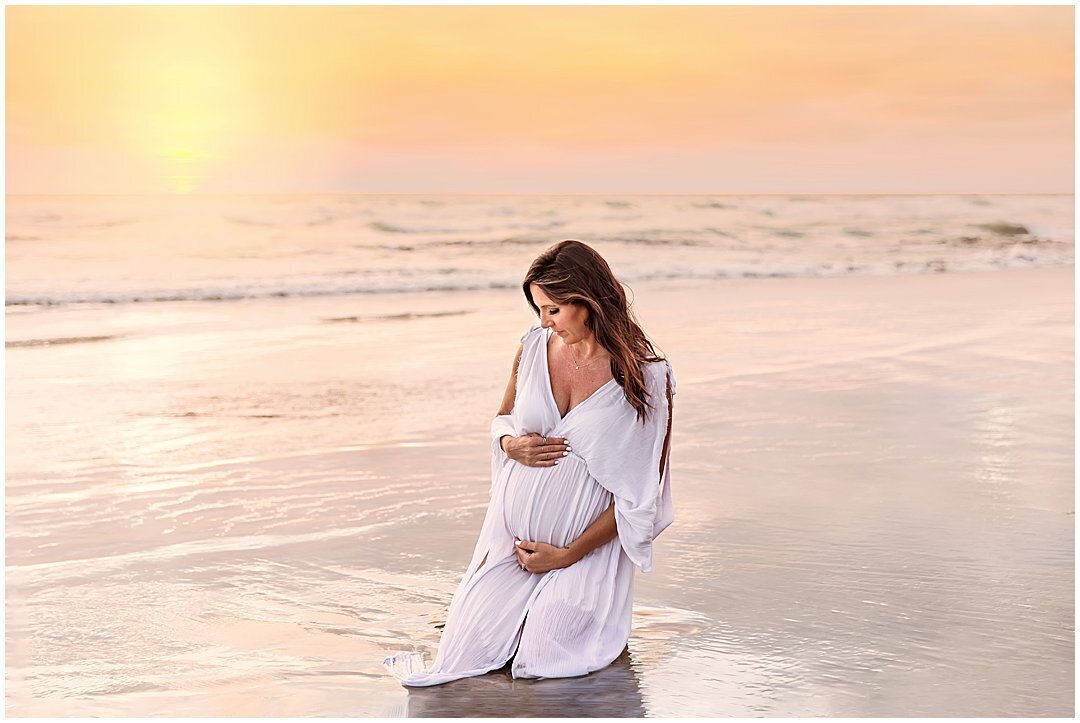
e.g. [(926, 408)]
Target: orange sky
[(539, 99)]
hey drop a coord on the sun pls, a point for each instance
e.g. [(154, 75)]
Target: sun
[(189, 114), (187, 168)]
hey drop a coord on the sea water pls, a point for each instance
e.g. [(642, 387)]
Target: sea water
[(246, 450)]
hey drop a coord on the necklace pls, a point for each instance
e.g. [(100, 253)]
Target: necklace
[(579, 366)]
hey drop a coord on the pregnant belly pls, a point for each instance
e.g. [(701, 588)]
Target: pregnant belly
[(552, 504)]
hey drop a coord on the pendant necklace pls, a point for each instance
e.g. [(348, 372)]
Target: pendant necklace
[(579, 366)]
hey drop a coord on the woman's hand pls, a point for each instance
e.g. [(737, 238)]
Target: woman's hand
[(541, 557), (535, 450)]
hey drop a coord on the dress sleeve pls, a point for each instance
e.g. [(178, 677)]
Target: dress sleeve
[(502, 424), (629, 466), (505, 423), (665, 512)]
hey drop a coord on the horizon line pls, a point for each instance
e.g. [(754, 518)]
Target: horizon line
[(561, 193)]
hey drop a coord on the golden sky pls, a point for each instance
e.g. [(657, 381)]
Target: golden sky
[(274, 99)]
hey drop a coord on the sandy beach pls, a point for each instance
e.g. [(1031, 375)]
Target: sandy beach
[(237, 509), (263, 274)]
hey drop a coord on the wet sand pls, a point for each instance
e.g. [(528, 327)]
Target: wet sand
[(238, 508)]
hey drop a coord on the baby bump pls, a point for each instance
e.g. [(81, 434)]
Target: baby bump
[(552, 504)]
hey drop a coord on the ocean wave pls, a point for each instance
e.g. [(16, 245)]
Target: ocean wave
[(56, 340), (1002, 242), (114, 223), (392, 228), (465, 243), (536, 240), (239, 221), (387, 227), (395, 281), (70, 223), (1004, 228), (250, 293), (653, 241), (395, 317)]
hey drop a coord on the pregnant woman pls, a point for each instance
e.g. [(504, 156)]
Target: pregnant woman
[(580, 487)]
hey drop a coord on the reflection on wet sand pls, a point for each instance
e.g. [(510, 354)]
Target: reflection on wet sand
[(613, 692), (874, 506)]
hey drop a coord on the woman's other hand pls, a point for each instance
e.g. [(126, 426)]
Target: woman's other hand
[(535, 450), (541, 557)]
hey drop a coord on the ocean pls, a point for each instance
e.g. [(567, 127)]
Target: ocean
[(117, 249), (247, 451)]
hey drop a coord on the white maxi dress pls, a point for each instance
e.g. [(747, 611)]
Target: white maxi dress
[(573, 620)]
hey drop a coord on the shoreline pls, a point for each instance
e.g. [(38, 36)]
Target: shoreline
[(872, 477)]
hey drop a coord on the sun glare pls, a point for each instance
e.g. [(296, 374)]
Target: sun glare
[(189, 113)]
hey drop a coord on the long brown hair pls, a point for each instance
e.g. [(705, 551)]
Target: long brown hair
[(571, 272)]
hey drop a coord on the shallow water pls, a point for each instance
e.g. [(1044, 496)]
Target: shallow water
[(240, 511)]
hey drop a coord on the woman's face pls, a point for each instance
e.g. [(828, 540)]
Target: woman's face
[(566, 320)]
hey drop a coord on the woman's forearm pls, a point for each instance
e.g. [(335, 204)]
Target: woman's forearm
[(602, 531)]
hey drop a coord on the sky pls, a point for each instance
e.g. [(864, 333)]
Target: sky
[(549, 99)]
